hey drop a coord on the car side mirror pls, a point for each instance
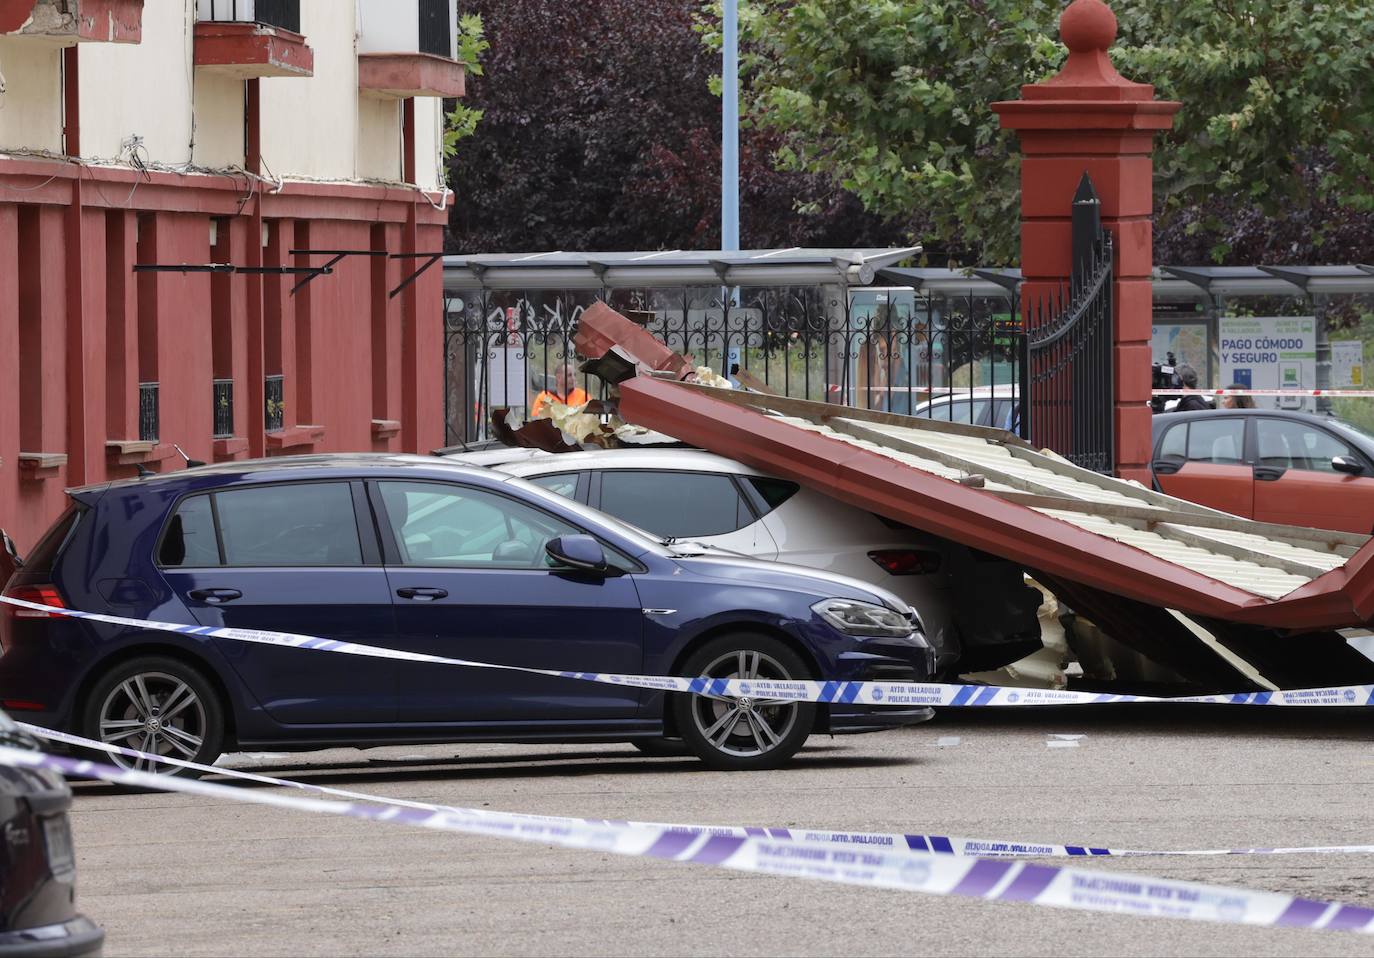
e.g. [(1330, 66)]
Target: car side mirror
[(579, 552), (1348, 465)]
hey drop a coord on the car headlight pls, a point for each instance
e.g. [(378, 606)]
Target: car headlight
[(863, 618)]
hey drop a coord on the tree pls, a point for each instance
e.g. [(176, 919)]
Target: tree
[(599, 131), (889, 99)]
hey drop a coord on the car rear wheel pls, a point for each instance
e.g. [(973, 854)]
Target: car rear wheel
[(744, 734), (157, 705)]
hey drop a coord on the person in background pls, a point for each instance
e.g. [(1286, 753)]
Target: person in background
[(566, 391), (1188, 377), (1237, 402)]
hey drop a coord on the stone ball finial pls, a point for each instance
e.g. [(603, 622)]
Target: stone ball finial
[(1088, 26)]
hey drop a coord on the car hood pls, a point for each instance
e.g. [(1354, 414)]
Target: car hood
[(722, 565)]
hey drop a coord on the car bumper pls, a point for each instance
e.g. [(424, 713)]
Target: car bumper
[(78, 938), (876, 718)]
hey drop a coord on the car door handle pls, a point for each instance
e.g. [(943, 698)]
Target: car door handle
[(1269, 473), (215, 596), (1167, 467), (422, 593)]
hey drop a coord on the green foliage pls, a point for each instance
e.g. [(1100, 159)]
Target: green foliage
[(462, 121), (890, 99)]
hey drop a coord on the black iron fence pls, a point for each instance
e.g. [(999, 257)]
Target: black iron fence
[(148, 414), (435, 34), (1044, 372), (274, 401), (224, 408)]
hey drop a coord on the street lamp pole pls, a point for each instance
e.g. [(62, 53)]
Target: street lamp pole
[(729, 147)]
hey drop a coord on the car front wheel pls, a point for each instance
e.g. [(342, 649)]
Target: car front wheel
[(157, 705), (746, 733)]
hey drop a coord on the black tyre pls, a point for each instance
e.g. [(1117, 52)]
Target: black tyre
[(743, 735), (662, 747), (158, 705)]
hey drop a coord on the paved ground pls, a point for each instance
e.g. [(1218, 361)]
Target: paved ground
[(179, 875)]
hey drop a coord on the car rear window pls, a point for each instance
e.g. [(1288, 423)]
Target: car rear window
[(774, 492), (40, 560), (289, 525), (676, 504)]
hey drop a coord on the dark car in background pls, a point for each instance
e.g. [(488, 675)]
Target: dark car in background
[(38, 917), (1292, 468), (422, 555)]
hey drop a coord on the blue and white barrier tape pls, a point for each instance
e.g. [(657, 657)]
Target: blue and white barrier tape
[(762, 691), (1054, 887), (894, 843)]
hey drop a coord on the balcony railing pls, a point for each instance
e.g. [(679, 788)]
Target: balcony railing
[(224, 408), (148, 415), (285, 14), (435, 34), (275, 401)]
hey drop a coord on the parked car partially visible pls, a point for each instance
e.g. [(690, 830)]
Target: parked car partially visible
[(994, 406), (38, 917), (975, 609), (1271, 465), (423, 555)]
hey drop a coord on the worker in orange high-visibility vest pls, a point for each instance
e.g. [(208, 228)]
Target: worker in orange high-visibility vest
[(567, 392)]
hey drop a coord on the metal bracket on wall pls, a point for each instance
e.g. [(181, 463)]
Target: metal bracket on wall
[(226, 268), (335, 257), (429, 258)]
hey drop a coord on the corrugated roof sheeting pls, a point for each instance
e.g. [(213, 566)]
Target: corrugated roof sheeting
[(994, 492)]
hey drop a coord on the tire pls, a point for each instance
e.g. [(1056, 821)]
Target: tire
[(125, 708), (728, 737), (662, 747)]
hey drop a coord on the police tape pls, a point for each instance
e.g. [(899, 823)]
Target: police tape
[(895, 843), (760, 692), (1049, 886), (1327, 393)]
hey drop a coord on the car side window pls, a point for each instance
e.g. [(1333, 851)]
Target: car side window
[(190, 540), (1175, 444), (773, 492), (451, 526), (675, 504), (1219, 441), (294, 524), (562, 484), (1296, 445)]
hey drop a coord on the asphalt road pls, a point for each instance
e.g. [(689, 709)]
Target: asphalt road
[(179, 875)]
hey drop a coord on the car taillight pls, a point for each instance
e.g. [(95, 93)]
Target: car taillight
[(907, 561), (38, 595)]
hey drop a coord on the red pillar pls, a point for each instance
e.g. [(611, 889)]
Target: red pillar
[(1090, 119)]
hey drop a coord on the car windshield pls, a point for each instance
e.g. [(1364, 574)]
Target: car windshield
[(645, 540)]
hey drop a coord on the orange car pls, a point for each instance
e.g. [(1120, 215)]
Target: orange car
[(1287, 467)]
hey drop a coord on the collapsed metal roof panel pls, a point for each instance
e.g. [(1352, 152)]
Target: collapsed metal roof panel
[(994, 492)]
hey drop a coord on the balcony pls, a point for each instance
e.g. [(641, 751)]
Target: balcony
[(252, 38), (405, 49), (68, 22)]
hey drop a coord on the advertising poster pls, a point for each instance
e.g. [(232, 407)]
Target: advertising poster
[(1270, 352), (1187, 342), (1347, 364)]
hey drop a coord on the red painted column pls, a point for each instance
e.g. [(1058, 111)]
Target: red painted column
[(1090, 119)]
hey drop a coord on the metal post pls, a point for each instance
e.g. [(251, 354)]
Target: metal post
[(729, 145)]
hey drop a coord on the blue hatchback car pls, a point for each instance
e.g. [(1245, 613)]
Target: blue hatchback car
[(419, 554)]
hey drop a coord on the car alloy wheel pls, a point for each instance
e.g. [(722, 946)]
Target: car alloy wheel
[(159, 706), (744, 732), (155, 713)]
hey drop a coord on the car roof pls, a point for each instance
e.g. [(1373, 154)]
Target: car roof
[(1166, 418), (694, 460), (323, 465)]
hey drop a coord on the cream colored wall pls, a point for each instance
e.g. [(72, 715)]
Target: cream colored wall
[(429, 113), (310, 124), (141, 89), (316, 127), (219, 121), (379, 138), (31, 106)]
